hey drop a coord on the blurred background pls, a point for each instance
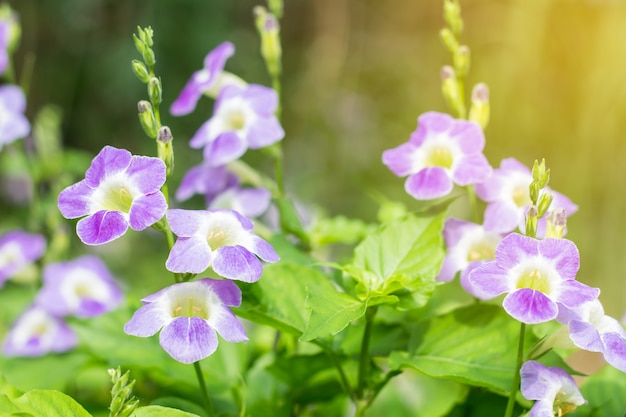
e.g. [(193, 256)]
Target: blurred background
[(357, 74)]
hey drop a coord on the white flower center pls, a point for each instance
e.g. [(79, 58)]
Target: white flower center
[(115, 193), (11, 254), (35, 324), (536, 273), (223, 229), (80, 284), (436, 151), (233, 115), (191, 299)]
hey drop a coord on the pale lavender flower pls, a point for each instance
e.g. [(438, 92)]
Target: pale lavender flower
[(189, 314), (243, 117), (555, 392), (538, 275), (17, 250), (203, 79), (13, 124), (119, 190), (443, 151), (469, 245), (221, 189), (508, 197), (36, 333), (5, 39), (220, 239), (82, 287), (590, 329)]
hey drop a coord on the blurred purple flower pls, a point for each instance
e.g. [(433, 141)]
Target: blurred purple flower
[(469, 245), (220, 239), (443, 151), (5, 39), (83, 287), (553, 389), (590, 329), (508, 197), (190, 314), (221, 189), (17, 250), (537, 275), (36, 333), (119, 190), (202, 80), (243, 117), (13, 124)]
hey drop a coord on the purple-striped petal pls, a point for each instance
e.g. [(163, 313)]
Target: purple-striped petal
[(264, 132), (74, 200), (615, 350), (101, 227), (530, 306), (189, 254), (564, 254), (147, 210), (469, 136), (227, 325), (236, 262), (489, 279), (514, 248), (264, 250), (574, 294), (429, 183), (147, 321), (399, 160), (108, 162), (147, 173), (502, 217), (188, 339), (185, 223), (224, 149)]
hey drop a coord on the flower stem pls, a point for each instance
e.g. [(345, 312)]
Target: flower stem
[(364, 358), (471, 196), (516, 377), (205, 394)]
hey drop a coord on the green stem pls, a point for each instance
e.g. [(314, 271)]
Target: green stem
[(364, 358), (516, 377), (342, 375), (205, 394), (471, 196)]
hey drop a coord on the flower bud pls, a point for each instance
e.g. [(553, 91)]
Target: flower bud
[(147, 119), (276, 7), (544, 203), (451, 91), (141, 47), (449, 40), (452, 15), (555, 223), (461, 60), (531, 221), (479, 110), (269, 29), (164, 135), (534, 192), (154, 91), (140, 70), (165, 149)]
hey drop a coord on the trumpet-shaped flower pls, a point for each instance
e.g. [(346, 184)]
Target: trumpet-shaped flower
[(508, 197), (203, 79), (221, 189), (220, 239), (13, 124), (17, 250), (119, 190), (189, 314), (553, 389), (443, 151), (469, 245), (83, 287), (592, 330), (243, 117), (538, 275), (37, 332)]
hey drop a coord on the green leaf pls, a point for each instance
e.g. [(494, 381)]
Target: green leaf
[(42, 403), (604, 393), (338, 229), (475, 345), (53, 371), (278, 298), (331, 311), (403, 254), (158, 411)]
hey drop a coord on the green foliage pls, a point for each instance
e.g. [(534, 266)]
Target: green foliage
[(158, 411), (604, 393)]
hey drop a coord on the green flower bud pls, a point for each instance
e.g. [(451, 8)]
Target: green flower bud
[(148, 57), (461, 60), (534, 192), (165, 149), (276, 7), (555, 223), (139, 45), (449, 40), (269, 29), (140, 70), (531, 221), (146, 36), (544, 203), (147, 119), (451, 91), (154, 91), (479, 110), (452, 15)]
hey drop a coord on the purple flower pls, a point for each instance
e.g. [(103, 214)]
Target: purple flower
[(592, 330), (17, 250), (83, 287), (508, 197), (441, 152), (469, 245), (119, 190), (5, 39), (13, 124), (220, 239), (203, 79), (553, 389), (537, 275), (37, 332), (189, 314), (243, 117), (221, 189)]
